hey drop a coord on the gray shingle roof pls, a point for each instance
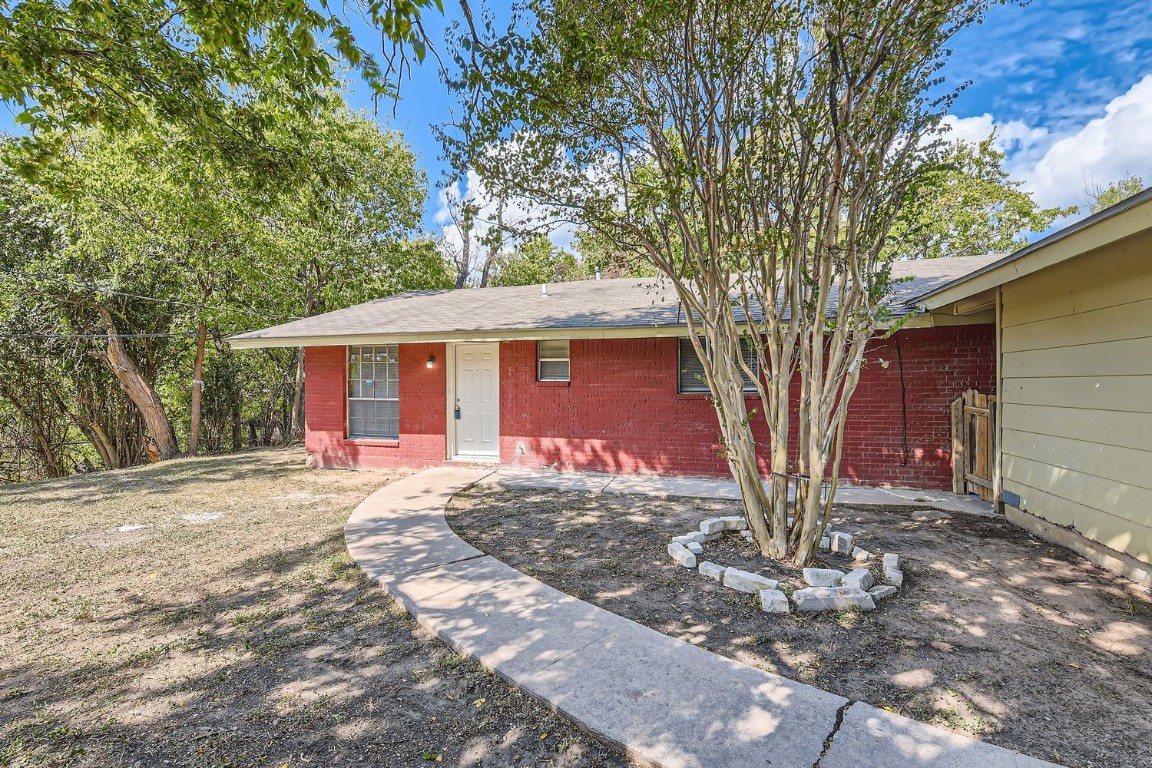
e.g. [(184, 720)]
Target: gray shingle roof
[(633, 303)]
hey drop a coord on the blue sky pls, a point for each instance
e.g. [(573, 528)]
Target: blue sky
[(1063, 81), (1067, 84)]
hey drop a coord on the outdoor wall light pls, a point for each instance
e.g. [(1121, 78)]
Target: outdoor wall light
[(431, 361)]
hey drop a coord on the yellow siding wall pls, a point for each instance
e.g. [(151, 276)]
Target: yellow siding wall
[(1076, 397)]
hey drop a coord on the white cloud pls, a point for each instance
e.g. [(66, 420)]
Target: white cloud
[(1057, 168), (1104, 150), (518, 214)]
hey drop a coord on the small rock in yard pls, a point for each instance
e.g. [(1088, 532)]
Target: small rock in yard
[(743, 581), (822, 577), (891, 562), (734, 522), (825, 544), (859, 578), (860, 555), (711, 570), (882, 591), (894, 576), (695, 548), (842, 543), (689, 537), (773, 601), (815, 599), (748, 535), (682, 555)]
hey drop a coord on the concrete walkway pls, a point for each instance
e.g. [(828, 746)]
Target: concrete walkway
[(665, 702), (651, 485)]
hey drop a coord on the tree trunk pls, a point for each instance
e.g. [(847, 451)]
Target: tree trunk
[(296, 428), (48, 455), (197, 389), (138, 390)]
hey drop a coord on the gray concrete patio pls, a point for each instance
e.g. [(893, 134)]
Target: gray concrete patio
[(665, 702)]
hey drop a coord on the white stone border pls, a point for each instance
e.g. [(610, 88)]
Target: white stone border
[(828, 589)]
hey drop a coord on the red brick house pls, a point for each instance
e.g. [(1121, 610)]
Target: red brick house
[(598, 375)]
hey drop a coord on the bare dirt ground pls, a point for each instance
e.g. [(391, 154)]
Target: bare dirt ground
[(994, 634), (205, 613)]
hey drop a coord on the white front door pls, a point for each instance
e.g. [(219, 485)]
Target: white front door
[(477, 407)]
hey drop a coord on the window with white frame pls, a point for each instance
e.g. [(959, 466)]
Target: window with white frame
[(691, 370), (552, 361), (374, 392)]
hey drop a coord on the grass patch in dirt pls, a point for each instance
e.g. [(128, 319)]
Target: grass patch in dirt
[(995, 634), (204, 612)]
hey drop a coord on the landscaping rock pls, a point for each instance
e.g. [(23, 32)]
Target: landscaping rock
[(894, 576), (748, 535), (860, 555), (681, 555), (744, 581), (734, 522), (711, 570), (842, 543), (688, 537), (712, 525), (695, 548), (859, 578), (822, 577), (713, 536), (773, 601), (891, 562), (882, 591), (825, 544), (815, 599)]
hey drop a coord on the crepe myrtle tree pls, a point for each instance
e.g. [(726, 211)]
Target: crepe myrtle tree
[(757, 153)]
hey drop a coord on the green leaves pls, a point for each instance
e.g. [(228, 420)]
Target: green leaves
[(128, 64)]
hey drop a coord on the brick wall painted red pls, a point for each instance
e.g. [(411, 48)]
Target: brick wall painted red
[(621, 411), (422, 413)]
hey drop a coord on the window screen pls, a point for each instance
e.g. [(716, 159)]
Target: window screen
[(692, 372), (374, 392), (552, 361)]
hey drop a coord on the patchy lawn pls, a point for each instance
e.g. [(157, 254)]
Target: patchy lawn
[(205, 613), (994, 634)]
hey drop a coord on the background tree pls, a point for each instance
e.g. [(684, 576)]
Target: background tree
[(965, 204), (758, 153), (128, 64), (537, 261), (1108, 195)]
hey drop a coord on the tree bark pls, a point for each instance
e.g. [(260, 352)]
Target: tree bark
[(197, 389), (48, 455), (138, 390), (296, 428)]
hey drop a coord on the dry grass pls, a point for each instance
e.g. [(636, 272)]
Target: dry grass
[(205, 613)]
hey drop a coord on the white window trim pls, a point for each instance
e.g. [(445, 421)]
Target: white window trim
[(568, 359), (348, 398)]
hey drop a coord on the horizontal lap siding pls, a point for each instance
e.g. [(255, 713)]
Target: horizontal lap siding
[(1077, 395), (422, 414)]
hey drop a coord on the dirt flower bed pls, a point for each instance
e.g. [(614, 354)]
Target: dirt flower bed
[(205, 613), (995, 634)]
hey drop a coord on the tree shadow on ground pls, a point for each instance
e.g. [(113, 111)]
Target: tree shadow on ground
[(273, 656), (995, 634)]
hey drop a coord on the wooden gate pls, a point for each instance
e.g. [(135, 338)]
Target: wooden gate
[(974, 444)]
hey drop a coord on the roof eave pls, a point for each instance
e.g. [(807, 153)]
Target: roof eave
[(247, 341)]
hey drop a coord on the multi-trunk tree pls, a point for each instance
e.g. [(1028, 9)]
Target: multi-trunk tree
[(757, 154)]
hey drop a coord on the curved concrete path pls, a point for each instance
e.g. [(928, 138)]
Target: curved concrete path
[(665, 702)]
